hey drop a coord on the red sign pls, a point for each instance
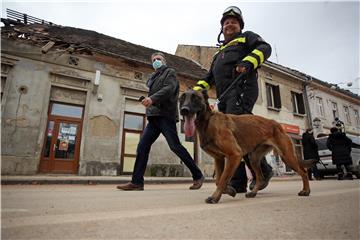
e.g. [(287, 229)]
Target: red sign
[(291, 128)]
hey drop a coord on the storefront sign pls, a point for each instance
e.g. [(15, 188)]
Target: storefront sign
[(291, 128)]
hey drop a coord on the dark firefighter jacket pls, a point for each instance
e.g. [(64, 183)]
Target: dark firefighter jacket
[(246, 49), (164, 92)]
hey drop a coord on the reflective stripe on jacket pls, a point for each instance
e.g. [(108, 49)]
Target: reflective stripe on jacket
[(246, 48)]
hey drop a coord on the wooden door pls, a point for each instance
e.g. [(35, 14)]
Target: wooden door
[(62, 139), (133, 127)]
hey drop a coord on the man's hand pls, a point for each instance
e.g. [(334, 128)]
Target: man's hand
[(147, 102)]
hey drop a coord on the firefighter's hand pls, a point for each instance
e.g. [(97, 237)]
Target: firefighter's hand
[(147, 102), (241, 69), (244, 67)]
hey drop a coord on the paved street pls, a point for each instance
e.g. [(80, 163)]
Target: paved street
[(171, 211)]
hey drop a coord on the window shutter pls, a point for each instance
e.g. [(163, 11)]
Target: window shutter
[(277, 98), (301, 105)]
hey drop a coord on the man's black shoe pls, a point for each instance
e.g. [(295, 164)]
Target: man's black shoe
[(266, 181)]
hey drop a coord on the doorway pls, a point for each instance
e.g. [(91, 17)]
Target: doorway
[(61, 147), (133, 127)]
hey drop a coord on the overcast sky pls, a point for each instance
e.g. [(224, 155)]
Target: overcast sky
[(318, 38)]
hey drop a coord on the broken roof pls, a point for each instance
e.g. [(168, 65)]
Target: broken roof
[(86, 42)]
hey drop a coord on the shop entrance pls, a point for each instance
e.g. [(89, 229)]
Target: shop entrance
[(62, 139)]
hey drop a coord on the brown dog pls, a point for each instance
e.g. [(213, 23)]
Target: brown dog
[(232, 137)]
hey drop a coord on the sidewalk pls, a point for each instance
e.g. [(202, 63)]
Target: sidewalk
[(74, 179)]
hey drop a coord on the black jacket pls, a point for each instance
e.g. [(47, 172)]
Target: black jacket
[(310, 148), (340, 146), (164, 92), (246, 49)]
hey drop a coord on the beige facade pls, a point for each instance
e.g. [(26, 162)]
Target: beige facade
[(327, 103), (289, 97), (57, 119)]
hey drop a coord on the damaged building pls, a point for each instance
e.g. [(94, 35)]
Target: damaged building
[(69, 103)]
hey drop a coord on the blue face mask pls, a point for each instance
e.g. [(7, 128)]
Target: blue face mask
[(157, 64)]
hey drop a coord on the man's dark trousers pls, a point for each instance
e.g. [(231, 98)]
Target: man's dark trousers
[(167, 127)]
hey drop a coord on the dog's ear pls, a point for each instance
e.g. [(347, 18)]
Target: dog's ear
[(205, 94)]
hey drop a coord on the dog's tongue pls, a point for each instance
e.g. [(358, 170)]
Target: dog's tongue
[(189, 125)]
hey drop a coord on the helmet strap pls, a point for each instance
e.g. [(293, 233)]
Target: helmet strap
[(218, 38)]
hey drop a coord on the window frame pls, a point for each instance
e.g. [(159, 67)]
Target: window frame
[(298, 103), (320, 106), (273, 96), (357, 117), (347, 114), (334, 109)]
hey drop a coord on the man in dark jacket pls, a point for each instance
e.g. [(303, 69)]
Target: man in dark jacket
[(340, 146), (310, 151), (162, 114), (239, 52)]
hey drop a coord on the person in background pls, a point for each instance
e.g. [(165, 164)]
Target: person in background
[(340, 146), (239, 53), (310, 151), (162, 115)]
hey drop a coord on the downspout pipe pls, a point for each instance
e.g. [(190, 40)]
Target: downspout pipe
[(307, 105)]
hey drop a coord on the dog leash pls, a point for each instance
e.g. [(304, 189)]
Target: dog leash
[(238, 78)]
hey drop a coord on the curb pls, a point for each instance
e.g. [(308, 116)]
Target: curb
[(86, 180)]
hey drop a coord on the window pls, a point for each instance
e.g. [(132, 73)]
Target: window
[(273, 96), (133, 128), (66, 110), (357, 120), (347, 114), (320, 106), (335, 110), (298, 103), (134, 122)]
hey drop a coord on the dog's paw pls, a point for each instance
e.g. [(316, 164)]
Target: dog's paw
[(211, 200), (230, 191), (250, 194), (303, 193)]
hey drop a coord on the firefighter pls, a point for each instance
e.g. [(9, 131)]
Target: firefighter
[(239, 52)]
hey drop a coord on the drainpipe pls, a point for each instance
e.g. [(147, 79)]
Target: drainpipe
[(307, 105)]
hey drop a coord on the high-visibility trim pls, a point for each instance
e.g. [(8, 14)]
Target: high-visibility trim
[(260, 54), (204, 84), (197, 88), (253, 60), (233, 42)]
